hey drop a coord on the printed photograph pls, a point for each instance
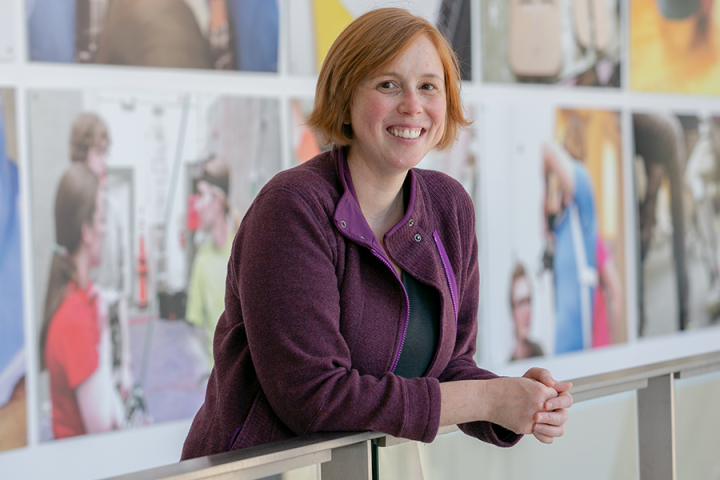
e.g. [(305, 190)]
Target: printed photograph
[(677, 180), (13, 406), (461, 160), (316, 24), (562, 42), (207, 34), (7, 30), (136, 201), (555, 252), (675, 46)]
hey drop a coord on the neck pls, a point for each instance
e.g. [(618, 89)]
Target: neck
[(82, 268), (379, 194), (219, 233), (522, 350)]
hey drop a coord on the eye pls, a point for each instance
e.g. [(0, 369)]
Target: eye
[(386, 85), (428, 86)]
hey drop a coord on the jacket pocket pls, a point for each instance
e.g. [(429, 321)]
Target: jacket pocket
[(260, 426)]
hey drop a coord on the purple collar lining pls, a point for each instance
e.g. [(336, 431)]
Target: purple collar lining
[(348, 209)]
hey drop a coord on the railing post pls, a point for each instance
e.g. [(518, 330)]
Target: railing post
[(656, 429), (353, 462)]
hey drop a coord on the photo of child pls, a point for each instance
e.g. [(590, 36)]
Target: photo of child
[(146, 192)]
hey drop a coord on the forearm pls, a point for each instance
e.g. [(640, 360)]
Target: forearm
[(556, 160), (463, 401), (100, 405)]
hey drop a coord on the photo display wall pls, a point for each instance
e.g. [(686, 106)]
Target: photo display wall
[(127, 162)]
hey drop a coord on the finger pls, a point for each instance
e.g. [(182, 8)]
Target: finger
[(562, 387), (549, 430), (557, 417), (564, 400), (543, 438), (541, 375)]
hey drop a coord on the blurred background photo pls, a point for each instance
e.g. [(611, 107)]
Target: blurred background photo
[(461, 160), (676, 180), (674, 46), (208, 34), (303, 144), (316, 24), (169, 176), (560, 242), (7, 31), (13, 407), (565, 42)]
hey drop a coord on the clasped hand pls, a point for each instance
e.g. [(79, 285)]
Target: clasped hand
[(533, 404)]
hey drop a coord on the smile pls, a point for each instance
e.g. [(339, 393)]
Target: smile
[(406, 132)]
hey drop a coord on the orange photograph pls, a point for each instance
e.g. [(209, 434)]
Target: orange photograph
[(675, 46)]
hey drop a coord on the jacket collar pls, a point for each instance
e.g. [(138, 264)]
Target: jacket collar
[(348, 216)]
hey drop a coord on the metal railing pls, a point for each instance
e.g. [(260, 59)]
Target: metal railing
[(347, 456)]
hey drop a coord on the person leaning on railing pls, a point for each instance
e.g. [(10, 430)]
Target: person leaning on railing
[(352, 290)]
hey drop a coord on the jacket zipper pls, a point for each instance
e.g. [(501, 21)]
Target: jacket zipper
[(441, 249), (407, 309)]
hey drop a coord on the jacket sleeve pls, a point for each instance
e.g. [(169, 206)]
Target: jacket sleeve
[(464, 258), (285, 276)]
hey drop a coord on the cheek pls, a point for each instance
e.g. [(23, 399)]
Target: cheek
[(371, 112), (438, 112)]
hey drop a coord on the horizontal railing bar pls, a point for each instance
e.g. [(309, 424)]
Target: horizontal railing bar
[(264, 460), (232, 462), (390, 441), (276, 468), (607, 390), (709, 361), (699, 370)]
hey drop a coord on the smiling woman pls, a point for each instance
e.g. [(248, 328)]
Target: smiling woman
[(352, 289)]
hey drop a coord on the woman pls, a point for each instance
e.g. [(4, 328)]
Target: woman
[(352, 289), (75, 340), (522, 312)]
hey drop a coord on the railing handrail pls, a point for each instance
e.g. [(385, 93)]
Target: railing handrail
[(252, 457), (603, 384), (298, 452)]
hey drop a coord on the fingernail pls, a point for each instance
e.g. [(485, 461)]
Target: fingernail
[(549, 406)]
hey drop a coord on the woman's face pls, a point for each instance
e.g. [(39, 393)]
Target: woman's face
[(398, 115), (97, 161), (521, 307), (209, 204)]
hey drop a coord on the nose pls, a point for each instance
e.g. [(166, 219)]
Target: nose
[(410, 103)]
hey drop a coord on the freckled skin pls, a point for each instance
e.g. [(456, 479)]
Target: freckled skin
[(408, 94)]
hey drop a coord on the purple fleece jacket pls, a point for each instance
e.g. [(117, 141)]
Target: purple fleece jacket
[(315, 317)]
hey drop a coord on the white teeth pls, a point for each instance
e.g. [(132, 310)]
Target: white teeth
[(407, 133)]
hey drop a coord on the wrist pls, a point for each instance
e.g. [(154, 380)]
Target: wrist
[(486, 395)]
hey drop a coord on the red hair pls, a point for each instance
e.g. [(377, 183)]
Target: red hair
[(367, 45)]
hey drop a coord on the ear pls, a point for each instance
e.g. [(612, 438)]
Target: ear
[(346, 118)]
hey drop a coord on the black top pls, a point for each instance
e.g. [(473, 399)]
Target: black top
[(423, 330)]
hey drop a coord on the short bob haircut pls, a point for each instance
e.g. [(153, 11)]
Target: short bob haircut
[(87, 131), (366, 46)]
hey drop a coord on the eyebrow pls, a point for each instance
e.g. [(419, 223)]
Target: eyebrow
[(397, 75)]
